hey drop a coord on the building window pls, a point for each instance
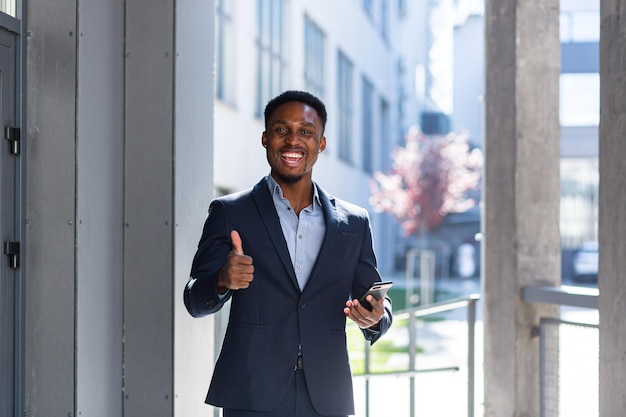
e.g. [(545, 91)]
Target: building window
[(386, 139), (225, 71), (271, 60), (402, 8), (579, 99), (368, 6), (8, 7), (313, 58), (367, 124), (580, 21), (384, 20), (579, 201), (402, 95), (344, 105)]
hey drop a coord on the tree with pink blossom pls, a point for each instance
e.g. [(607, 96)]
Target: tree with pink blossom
[(431, 177)]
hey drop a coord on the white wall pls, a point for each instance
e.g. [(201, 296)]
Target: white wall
[(193, 187), (469, 74), (99, 207)]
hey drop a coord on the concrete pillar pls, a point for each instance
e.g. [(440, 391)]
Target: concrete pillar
[(521, 212), (612, 204)]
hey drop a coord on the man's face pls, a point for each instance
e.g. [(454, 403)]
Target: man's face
[(293, 140)]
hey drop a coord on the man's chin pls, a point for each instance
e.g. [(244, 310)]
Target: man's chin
[(289, 179)]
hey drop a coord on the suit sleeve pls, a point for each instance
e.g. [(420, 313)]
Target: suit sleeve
[(200, 295), (367, 274)]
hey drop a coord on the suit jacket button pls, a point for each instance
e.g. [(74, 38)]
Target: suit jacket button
[(302, 304)]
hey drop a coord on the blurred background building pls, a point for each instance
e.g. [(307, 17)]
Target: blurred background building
[(367, 60), (389, 68), (579, 110)]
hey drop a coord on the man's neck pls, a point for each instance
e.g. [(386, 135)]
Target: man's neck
[(299, 194)]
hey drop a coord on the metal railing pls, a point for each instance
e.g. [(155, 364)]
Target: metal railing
[(568, 353), (412, 314)]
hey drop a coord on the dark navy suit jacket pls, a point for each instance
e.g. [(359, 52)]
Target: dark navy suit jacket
[(272, 318)]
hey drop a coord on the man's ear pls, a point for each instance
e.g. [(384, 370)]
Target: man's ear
[(322, 143), (263, 140)]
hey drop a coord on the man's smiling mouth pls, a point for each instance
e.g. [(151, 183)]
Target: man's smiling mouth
[(292, 157)]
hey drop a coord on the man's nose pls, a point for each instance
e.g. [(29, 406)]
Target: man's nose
[(292, 138)]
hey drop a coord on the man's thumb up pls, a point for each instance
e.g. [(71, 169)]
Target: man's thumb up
[(235, 239)]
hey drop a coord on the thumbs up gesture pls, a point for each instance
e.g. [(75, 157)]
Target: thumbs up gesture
[(238, 271)]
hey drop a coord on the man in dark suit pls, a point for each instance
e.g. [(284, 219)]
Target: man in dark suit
[(293, 260)]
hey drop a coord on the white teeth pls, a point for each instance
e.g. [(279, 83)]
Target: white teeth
[(292, 155)]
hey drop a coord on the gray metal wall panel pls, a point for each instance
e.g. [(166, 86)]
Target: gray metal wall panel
[(193, 190), (99, 240), (9, 278), (50, 208), (148, 240)]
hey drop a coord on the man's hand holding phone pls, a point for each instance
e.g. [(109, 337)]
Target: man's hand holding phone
[(369, 309)]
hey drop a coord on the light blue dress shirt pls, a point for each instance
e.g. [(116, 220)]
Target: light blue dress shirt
[(304, 234)]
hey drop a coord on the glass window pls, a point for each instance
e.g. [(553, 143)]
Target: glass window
[(385, 138), (368, 7), (344, 107), (271, 60), (225, 54), (401, 7), (580, 99), (580, 20), (8, 7), (586, 26), (367, 117), (579, 201), (384, 16), (313, 58), (582, 26)]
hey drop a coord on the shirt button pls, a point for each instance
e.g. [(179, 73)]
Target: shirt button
[(299, 266), (299, 236)]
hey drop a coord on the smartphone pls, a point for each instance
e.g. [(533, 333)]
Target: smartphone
[(378, 290)]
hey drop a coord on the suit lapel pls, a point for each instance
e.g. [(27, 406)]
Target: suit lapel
[(332, 228), (267, 212)]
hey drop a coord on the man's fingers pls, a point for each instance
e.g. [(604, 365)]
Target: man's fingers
[(235, 240)]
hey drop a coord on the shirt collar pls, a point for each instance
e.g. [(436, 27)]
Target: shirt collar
[(274, 188)]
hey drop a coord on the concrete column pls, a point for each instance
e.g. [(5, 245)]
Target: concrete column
[(521, 217), (612, 204)]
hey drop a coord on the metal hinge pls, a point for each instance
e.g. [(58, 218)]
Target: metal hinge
[(12, 134), (12, 250)]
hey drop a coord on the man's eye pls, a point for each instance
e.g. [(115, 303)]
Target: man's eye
[(306, 132), (280, 130)]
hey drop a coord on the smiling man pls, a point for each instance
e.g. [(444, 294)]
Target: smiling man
[(294, 261)]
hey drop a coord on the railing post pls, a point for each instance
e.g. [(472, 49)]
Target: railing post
[(367, 379), (410, 277), (471, 360), (412, 367)]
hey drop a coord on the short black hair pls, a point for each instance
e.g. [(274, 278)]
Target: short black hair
[(300, 96)]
